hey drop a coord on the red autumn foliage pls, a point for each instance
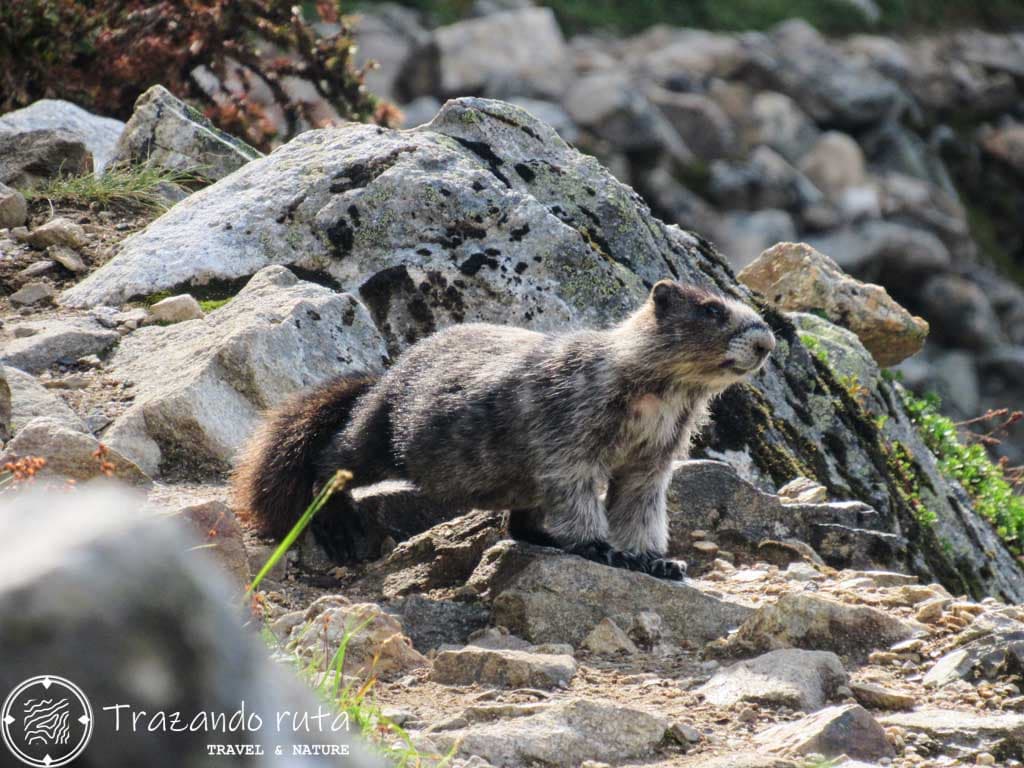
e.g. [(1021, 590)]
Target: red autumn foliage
[(103, 54)]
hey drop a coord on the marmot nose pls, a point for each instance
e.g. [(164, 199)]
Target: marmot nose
[(763, 342)]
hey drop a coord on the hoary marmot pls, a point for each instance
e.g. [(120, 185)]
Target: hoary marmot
[(492, 417)]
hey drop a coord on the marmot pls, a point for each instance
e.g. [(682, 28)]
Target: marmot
[(492, 417)]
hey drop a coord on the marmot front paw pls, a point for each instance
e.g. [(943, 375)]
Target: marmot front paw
[(673, 570), (644, 562)]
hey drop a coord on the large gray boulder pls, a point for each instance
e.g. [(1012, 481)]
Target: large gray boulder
[(99, 134), (123, 606), (165, 131), (485, 214), (200, 385)]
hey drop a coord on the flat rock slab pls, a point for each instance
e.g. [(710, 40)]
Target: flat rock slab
[(878, 697), (988, 657), (965, 732), (549, 597), (741, 760), (563, 734), (503, 668), (842, 730), (30, 399), (56, 341), (818, 623), (700, 490), (791, 677)]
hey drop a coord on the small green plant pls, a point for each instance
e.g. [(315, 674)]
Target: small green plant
[(851, 383), (901, 464), (352, 698), (208, 305), (993, 495), (137, 187), (335, 484), (815, 347)]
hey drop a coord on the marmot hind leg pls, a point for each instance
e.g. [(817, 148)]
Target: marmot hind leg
[(346, 533), (527, 525)]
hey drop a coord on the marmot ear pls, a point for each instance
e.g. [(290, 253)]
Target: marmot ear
[(663, 294)]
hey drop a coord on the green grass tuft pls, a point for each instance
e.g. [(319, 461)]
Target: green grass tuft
[(208, 305), (353, 697), (137, 187)]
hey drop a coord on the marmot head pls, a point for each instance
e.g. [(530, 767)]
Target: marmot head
[(705, 336)]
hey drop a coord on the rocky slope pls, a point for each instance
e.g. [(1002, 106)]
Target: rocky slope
[(828, 614)]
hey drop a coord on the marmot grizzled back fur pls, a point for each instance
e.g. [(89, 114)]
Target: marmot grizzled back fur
[(493, 417)]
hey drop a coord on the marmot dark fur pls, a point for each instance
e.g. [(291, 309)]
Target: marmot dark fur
[(492, 417)]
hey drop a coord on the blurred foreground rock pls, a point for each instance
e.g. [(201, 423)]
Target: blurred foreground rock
[(92, 591)]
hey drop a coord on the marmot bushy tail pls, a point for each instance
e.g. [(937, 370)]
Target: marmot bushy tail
[(275, 476), (492, 417)]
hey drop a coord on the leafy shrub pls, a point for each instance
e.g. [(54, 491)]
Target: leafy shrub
[(985, 482), (103, 54)]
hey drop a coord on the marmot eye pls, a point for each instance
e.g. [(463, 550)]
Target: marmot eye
[(714, 311)]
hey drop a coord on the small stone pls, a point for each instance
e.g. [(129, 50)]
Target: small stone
[(802, 571), (216, 526), (683, 733), (175, 309), (504, 668), (36, 269), (788, 677), (33, 294), (985, 758), (71, 454), (803, 490), (58, 231), (796, 277), (747, 715), (706, 549), (847, 729), (813, 622), (67, 258), (13, 209), (97, 422), (932, 610), (647, 629), (877, 697), (608, 638)]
